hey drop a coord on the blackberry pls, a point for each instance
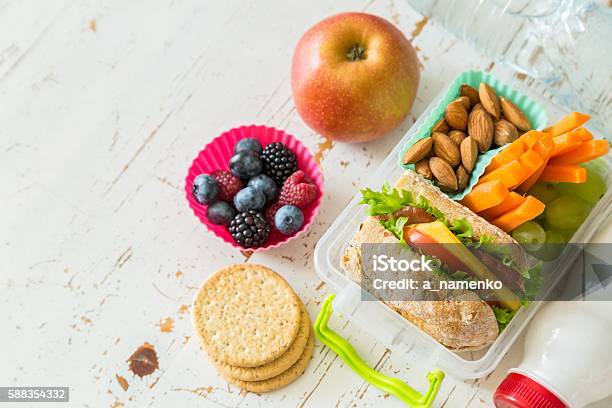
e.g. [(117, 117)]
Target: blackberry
[(279, 162), (249, 229)]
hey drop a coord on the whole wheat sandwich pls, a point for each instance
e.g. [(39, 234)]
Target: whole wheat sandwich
[(416, 214)]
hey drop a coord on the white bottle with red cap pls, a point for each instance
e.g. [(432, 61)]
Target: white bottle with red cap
[(567, 360)]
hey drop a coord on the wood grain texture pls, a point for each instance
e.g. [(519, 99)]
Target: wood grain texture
[(103, 105)]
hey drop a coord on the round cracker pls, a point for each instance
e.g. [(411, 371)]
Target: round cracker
[(277, 366), (285, 378), (246, 315)]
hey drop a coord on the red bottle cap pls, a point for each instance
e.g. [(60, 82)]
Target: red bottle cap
[(519, 391)]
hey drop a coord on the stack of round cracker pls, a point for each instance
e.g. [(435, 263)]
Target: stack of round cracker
[(253, 326)]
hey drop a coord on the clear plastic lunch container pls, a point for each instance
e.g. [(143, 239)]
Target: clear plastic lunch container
[(390, 328)]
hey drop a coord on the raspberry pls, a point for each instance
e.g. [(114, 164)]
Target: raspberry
[(229, 184), (298, 190), (271, 212)]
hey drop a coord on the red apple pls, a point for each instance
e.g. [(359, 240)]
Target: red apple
[(354, 77)]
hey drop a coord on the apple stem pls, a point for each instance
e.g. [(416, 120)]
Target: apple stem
[(357, 52)]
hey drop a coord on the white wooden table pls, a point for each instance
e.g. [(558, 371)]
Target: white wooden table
[(103, 105)]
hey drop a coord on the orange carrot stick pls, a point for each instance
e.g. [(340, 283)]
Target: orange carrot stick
[(544, 148), (485, 195), (569, 122), (563, 173), (587, 151), (512, 152), (530, 162), (511, 174), (570, 141), (530, 138), (511, 202), (531, 181), (530, 209)]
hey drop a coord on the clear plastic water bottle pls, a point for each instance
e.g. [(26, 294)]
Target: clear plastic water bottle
[(564, 44)]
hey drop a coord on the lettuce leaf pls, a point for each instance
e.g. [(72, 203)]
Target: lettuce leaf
[(436, 265), (533, 281), (462, 228), (460, 275), (503, 316), (389, 200), (423, 203), (484, 241), (396, 226), (385, 202)]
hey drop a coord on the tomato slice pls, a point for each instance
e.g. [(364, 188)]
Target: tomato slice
[(430, 246)]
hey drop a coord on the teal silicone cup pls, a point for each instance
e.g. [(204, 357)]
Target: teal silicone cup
[(534, 112)]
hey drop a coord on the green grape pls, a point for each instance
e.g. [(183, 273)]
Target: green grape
[(554, 237), (566, 212), (567, 234), (599, 166), (590, 191), (553, 248), (530, 235), (545, 192)]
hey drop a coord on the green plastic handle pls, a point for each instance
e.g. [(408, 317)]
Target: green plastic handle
[(393, 386)]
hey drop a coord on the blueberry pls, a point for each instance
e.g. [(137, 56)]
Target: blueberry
[(220, 213), (288, 219), (249, 199), (205, 189), (248, 144), (245, 165), (266, 185)]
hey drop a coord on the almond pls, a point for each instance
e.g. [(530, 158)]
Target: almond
[(457, 136), (418, 151), (505, 133), (480, 128), (446, 149), (476, 107), (440, 126), (470, 92), (469, 153), (445, 189), (422, 167), (456, 115), (463, 177), (514, 115), (489, 100), (443, 172), (467, 102)]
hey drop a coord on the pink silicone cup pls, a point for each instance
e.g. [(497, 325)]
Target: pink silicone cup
[(216, 156)]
